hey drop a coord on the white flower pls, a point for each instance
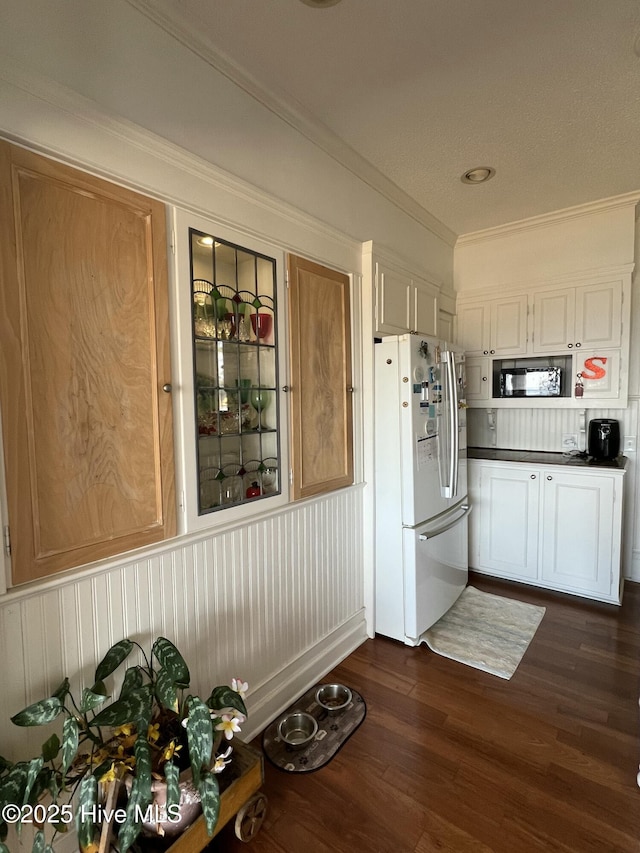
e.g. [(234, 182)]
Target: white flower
[(222, 760), (239, 686), (229, 724)]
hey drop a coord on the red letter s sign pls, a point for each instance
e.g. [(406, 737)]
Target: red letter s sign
[(596, 372)]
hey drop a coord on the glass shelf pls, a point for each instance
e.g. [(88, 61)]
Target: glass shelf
[(235, 373)]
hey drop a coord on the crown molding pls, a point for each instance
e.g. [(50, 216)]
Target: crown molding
[(85, 111), (546, 219), (294, 114)]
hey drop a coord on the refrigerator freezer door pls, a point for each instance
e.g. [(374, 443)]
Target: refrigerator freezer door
[(435, 563)]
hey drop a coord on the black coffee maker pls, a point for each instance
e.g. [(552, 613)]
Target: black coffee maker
[(604, 439)]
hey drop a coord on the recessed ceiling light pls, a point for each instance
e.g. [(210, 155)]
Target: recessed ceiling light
[(205, 241), (478, 175), (320, 4)]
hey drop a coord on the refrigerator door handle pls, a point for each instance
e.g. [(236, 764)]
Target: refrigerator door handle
[(450, 490), (433, 533)]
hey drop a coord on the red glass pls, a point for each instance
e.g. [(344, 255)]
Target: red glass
[(261, 324)]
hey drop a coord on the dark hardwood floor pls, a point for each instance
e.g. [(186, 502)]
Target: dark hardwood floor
[(453, 759)]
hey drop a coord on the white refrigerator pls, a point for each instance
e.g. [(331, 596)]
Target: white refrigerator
[(420, 484)]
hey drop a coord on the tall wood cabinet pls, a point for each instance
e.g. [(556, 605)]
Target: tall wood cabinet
[(84, 366), (321, 392)]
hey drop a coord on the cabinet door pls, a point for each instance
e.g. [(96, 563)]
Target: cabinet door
[(509, 521), (85, 355), (478, 380), (577, 532), (394, 302), (553, 320), (321, 384), (445, 326), (425, 309), (509, 326), (598, 321), (474, 328)]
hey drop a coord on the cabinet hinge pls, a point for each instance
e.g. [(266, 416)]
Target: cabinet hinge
[(6, 538), (291, 476), (286, 278), (173, 241)]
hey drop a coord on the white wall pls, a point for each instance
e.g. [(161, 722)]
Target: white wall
[(560, 247), (282, 599)]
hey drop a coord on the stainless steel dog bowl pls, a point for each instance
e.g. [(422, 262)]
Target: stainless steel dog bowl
[(333, 697), (297, 729)]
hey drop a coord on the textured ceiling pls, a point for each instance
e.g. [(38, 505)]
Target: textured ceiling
[(545, 91)]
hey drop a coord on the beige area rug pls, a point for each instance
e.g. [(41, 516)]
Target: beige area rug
[(488, 632)]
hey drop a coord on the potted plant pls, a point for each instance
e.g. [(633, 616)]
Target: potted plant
[(150, 733)]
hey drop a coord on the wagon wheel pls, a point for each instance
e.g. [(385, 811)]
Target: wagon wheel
[(250, 816)]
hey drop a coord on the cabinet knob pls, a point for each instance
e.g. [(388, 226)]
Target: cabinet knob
[(533, 476), (569, 346), (484, 378), (286, 388), (485, 352), (549, 477), (493, 352), (350, 389), (578, 344), (167, 388)]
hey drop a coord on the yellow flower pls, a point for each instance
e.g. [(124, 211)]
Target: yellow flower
[(169, 751), (111, 775), (153, 732), (126, 730)]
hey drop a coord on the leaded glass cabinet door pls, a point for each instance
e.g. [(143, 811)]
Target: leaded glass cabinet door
[(235, 364)]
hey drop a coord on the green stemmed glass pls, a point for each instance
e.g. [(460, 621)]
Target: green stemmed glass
[(260, 399)]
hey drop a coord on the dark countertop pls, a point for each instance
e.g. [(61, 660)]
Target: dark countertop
[(540, 457)]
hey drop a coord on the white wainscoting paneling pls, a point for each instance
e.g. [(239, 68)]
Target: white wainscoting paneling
[(278, 601)]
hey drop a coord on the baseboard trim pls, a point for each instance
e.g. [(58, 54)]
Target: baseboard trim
[(274, 696)]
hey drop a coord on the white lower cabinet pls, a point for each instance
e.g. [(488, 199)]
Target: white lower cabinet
[(552, 526)]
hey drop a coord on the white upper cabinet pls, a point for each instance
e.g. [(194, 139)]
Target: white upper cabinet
[(494, 327), (404, 303), (575, 317)]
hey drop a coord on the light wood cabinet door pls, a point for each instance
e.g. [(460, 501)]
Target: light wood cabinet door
[(321, 389), (87, 428)]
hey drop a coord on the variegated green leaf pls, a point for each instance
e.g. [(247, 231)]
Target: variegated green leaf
[(113, 658), (210, 796), (171, 660), (87, 799), (225, 697), (133, 706), (39, 714), (142, 752), (92, 698), (70, 738), (3, 847), (51, 747), (199, 736), (35, 766), (4, 764), (171, 775), (38, 842), (130, 828), (13, 784), (62, 690), (166, 690), (132, 680)]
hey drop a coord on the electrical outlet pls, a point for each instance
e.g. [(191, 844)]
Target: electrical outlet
[(569, 442), (629, 444)]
